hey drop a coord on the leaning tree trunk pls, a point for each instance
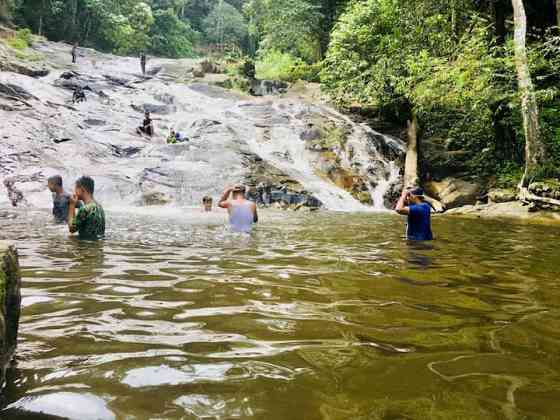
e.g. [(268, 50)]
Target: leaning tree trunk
[(534, 147), (411, 177)]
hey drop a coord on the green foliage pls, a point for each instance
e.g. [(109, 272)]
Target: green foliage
[(275, 65), (171, 36), (305, 71), (225, 25), (21, 41), (508, 175), (288, 26)]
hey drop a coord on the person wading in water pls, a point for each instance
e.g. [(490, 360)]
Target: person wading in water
[(242, 212), (89, 222), (412, 204), (61, 199)]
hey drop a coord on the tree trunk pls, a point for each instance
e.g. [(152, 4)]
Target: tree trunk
[(534, 147), (411, 178), (558, 13)]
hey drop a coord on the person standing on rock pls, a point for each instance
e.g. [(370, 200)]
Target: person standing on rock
[(75, 53), (412, 204), (242, 212), (61, 199), (89, 221), (143, 63)]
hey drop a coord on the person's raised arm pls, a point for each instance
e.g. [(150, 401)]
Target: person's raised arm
[(255, 213), (224, 203), (72, 203), (401, 207)]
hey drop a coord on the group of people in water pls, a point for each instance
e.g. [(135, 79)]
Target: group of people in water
[(85, 216)]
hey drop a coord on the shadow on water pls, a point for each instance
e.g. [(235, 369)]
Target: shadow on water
[(330, 315)]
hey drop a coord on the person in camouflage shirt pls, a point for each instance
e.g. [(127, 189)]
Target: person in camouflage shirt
[(89, 221)]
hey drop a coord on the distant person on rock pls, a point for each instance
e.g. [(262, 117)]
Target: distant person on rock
[(207, 204), (89, 221), (242, 212), (61, 199), (147, 126), (175, 137), (75, 53), (79, 95), (143, 63), (412, 204)]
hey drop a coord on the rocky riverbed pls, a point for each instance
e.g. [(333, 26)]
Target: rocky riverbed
[(300, 153)]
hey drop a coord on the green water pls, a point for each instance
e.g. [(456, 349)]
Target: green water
[(319, 316)]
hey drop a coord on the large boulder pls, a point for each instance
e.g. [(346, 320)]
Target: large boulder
[(10, 305), (502, 195), (453, 192)]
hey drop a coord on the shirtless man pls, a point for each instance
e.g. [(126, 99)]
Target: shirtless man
[(242, 212)]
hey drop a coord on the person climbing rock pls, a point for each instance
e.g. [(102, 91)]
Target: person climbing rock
[(242, 212), (143, 63), (412, 204), (61, 199), (79, 95), (147, 126), (207, 203), (75, 53), (89, 221)]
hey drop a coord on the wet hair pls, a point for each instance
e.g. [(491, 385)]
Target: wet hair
[(86, 183), (239, 189), (56, 180), (206, 199)]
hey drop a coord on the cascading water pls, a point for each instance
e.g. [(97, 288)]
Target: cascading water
[(98, 137)]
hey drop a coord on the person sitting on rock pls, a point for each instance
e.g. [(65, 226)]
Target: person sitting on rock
[(176, 137), (79, 95), (147, 126), (61, 199), (242, 212), (412, 204), (207, 203), (89, 221)]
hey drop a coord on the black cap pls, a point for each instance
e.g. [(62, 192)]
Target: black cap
[(416, 191)]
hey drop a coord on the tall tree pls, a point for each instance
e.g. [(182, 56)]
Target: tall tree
[(534, 146)]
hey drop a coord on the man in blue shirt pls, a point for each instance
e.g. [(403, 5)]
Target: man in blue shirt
[(418, 211)]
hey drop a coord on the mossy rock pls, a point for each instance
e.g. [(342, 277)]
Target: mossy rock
[(549, 188), (10, 305)]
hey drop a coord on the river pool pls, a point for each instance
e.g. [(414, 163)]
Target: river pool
[(315, 316)]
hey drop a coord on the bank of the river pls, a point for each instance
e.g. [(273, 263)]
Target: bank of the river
[(10, 301), (513, 211)]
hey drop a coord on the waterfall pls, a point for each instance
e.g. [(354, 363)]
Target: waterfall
[(223, 128)]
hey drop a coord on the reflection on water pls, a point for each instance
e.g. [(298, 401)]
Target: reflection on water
[(322, 316)]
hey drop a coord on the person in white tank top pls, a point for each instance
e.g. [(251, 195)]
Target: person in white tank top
[(242, 212)]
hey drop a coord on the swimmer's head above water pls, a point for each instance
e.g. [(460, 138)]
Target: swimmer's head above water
[(207, 203)]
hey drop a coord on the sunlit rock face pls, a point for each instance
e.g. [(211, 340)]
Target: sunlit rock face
[(10, 302), (280, 142)]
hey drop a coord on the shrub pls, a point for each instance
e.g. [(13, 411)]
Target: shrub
[(22, 40), (276, 65)]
